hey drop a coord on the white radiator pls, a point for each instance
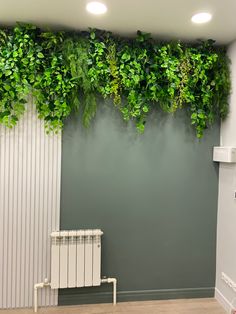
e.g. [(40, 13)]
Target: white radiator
[(75, 261), (76, 258)]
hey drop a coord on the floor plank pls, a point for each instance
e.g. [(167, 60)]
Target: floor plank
[(188, 306)]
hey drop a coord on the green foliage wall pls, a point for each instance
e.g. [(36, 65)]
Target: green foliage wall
[(67, 72)]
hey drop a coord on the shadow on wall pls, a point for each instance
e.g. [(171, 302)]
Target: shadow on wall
[(155, 197)]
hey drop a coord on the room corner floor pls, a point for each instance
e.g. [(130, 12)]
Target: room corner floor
[(188, 306)]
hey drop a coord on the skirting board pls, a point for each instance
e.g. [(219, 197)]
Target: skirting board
[(141, 295), (225, 303)]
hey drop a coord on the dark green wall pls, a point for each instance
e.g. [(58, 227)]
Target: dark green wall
[(154, 196)]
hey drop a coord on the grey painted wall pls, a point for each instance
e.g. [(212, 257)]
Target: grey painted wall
[(154, 196), (226, 236)]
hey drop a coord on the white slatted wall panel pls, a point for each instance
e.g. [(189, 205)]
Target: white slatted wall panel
[(30, 170)]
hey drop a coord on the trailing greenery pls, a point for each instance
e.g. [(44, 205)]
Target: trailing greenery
[(66, 72)]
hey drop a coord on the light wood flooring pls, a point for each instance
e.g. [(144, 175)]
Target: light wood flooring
[(189, 306)]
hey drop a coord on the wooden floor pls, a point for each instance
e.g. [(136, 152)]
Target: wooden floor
[(190, 306)]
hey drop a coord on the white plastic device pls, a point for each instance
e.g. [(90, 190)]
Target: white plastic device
[(224, 154)]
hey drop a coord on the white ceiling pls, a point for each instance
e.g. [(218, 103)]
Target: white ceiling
[(163, 18)]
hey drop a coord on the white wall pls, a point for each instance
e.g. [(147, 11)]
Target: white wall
[(226, 229), (30, 168)]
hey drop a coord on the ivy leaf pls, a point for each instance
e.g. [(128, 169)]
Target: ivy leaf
[(40, 55), (8, 72), (92, 35), (145, 109), (194, 116), (7, 87)]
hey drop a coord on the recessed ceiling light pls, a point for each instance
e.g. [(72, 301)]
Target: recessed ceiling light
[(201, 18), (96, 8)]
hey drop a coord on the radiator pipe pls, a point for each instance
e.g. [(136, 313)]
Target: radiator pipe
[(36, 287), (114, 282)]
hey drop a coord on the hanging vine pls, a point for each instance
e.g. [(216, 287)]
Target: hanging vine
[(66, 71)]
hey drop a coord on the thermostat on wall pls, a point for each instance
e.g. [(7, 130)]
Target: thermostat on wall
[(224, 154)]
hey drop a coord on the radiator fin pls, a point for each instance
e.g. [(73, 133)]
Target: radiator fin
[(80, 259), (72, 272)]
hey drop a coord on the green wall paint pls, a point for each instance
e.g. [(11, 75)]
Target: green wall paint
[(154, 196)]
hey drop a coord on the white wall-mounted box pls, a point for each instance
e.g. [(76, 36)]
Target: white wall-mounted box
[(224, 154)]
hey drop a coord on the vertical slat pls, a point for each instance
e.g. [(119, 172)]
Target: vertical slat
[(2, 192), (49, 206), (15, 216), (41, 211), (37, 211), (11, 220), (88, 259), (30, 168), (29, 181), (56, 199), (19, 135), (23, 217), (96, 259), (6, 215), (32, 201)]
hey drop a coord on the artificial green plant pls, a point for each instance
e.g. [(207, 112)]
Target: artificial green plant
[(66, 72)]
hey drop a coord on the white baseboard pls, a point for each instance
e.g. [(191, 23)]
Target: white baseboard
[(225, 303)]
